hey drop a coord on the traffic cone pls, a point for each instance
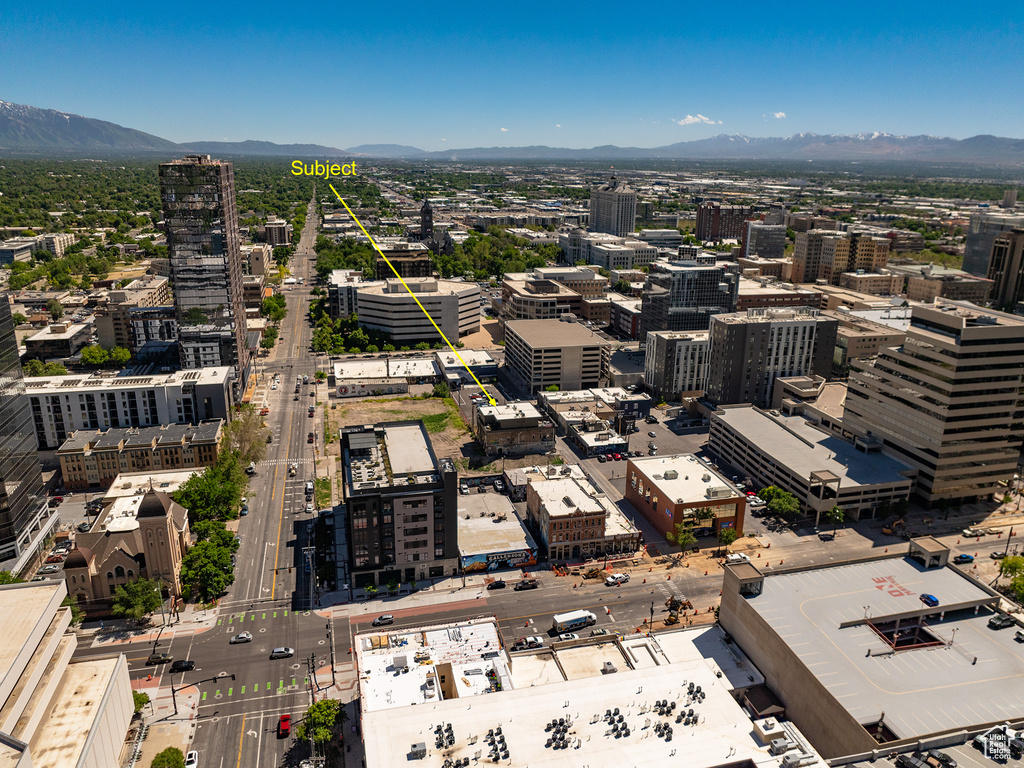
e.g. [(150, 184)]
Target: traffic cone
[(645, 581), (670, 577)]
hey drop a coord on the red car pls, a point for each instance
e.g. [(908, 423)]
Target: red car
[(55, 559), (284, 726)]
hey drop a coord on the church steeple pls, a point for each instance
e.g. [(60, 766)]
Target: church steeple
[(426, 220)]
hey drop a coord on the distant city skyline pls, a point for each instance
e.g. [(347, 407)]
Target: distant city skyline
[(463, 75)]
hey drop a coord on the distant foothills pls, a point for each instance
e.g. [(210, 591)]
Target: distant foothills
[(30, 129)]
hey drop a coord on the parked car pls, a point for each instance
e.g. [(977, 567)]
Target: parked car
[(935, 757), (49, 569), (55, 501), (183, 665), (244, 510), (56, 558), (651, 419), (599, 632), (737, 557), (930, 600), (497, 584), (972, 532), (499, 486), (994, 555), (1019, 636), (284, 726), (192, 759), (526, 584), (567, 636), (283, 652), (310, 509), (241, 637), (464, 489), (601, 458), (309, 437), (652, 434), (963, 559), (1000, 621), (383, 619), (536, 641), (159, 658)]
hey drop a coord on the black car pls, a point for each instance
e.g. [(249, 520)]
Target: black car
[(499, 584), (183, 665), (1000, 621), (526, 584)]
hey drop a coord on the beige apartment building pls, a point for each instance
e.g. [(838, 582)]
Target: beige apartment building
[(947, 401), (562, 353), (875, 283)]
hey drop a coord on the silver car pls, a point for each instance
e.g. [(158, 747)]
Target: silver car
[(241, 637)]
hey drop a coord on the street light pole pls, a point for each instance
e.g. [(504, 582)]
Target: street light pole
[(651, 627)]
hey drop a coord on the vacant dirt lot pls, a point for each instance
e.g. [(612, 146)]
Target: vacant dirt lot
[(449, 435)]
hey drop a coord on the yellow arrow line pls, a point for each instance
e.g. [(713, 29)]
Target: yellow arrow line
[(377, 248)]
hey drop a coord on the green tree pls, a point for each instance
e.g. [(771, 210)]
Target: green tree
[(214, 493), (441, 390), (55, 308), (171, 757), (682, 536), (551, 388), (136, 599), (785, 505), (1011, 567), (206, 569), (320, 376), (77, 614), (726, 536), (141, 699), (120, 357), (6, 577), (247, 435), (19, 318), (836, 515), (320, 721), (217, 533), (94, 355), (269, 338)]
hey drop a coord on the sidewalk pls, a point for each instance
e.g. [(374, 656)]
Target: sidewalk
[(191, 620), (165, 729)]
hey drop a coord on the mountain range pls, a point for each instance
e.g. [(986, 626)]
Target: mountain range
[(24, 128)]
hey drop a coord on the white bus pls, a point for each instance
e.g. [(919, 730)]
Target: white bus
[(566, 622)]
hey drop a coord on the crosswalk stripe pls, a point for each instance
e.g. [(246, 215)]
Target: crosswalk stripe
[(243, 689), (204, 696), (230, 691)]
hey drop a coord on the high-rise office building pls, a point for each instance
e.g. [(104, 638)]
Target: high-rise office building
[(981, 232), (765, 240), (683, 295), (613, 208), (23, 507), (750, 350), (820, 254), (721, 222), (1006, 268), (947, 402), (201, 219)]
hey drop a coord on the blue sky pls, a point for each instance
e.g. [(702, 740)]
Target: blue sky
[(438, 75)]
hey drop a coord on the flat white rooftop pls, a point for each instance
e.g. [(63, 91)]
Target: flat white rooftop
[(61, 738), (720, 733), (488, 523), (972, 670), (692, 480), (793, 443), (405, 668), (408, 450), (519, 410), (473, 357), (23, 610)]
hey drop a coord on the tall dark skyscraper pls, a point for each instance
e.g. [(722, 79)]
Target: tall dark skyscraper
[(22, 500), (201, 218)]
